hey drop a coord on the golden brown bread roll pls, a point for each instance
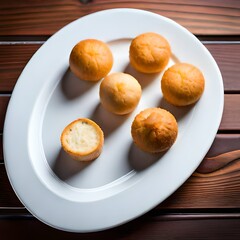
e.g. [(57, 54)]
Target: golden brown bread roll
[(120, 93), (182, 84), (91, 60), (154, 130), (82, 139), (149, 53)]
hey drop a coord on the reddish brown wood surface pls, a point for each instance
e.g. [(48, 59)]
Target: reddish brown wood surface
[(1, 148), (204, 226), (219, 190), (224, 143), (231, 113), (212, 164), (3, 108), (46, 17), (13, 59), (214, 187), (227, 58), (230, 119), (7, 197)]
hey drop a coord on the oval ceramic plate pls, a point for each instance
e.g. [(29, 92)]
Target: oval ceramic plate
[(123, 183)]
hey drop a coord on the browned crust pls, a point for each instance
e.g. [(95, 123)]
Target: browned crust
[(154, 130), (182, 84), (83, 156), (91, 60), (149, 53), (120, 93)]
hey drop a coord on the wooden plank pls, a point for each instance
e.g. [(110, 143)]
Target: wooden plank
[(1, 148), (7, 196), (230, 119), (13, 59), (46, 17), (3, 108), (219, 189), (224, 143), (228, 59), (231, 112), (146, 227)]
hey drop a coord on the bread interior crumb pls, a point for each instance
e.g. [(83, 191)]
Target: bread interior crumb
[(82, 137)]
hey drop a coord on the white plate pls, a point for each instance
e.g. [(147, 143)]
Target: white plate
[(123, 182)]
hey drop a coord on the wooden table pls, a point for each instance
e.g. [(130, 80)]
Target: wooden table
[(207, 206)]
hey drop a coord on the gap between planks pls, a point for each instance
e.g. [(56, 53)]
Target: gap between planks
[(167, 215), (42, 42), (205, 39)]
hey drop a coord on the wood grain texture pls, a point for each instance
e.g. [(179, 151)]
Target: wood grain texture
[(224, 143), (224, 151), (147, 227), (212, 164), (3, 108), (227, 57), (220, 190), (46, 17), (13, 59), (7, 197), (230, 119), (1, 148), (215, 188), (231, 112), (207, 192)]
